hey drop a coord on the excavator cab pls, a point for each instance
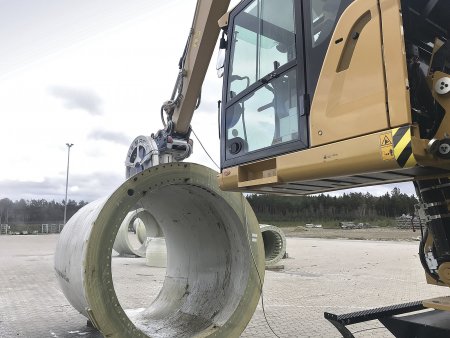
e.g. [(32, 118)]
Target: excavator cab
[(321, 95), (275, 54)]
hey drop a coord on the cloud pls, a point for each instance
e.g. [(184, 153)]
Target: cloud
[(208, 105), (57, 25), (112, 136), (78, 98), (81, 187)]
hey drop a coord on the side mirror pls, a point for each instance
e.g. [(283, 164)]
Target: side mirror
[(220, 66), (221, 56)]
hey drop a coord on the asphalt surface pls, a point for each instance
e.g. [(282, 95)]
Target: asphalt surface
[(330, 275)]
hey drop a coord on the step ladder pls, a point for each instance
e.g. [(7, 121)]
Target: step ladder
[(341, 321)]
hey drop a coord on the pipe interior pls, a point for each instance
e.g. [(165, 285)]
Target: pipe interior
[(207, 262), (272, 244)]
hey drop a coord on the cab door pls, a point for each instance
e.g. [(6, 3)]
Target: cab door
[(264, 112)]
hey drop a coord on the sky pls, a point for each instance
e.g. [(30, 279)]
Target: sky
[(93, 73)]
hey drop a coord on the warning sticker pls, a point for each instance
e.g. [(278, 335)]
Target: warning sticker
[(387, 147), (387, 153), (386, 140)]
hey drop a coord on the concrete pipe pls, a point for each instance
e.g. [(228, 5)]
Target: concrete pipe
[(146, 226), (274, 243), (141, 231), (156, 254), (215, 257)]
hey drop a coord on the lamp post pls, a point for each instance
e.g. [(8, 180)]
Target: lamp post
[(69, 145)]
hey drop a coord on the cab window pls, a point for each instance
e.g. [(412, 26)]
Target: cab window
[(264, 118), (263, 39)]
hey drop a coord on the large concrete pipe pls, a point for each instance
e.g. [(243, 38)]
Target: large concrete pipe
[(215, 257), (274, 243), (141, 217)]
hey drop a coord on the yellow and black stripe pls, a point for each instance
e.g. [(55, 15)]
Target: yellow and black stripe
[(402, 147)]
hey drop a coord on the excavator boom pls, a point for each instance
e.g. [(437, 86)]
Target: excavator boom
[(194, 63)]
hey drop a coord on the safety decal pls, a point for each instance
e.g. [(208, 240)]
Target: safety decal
[(387, 147), (402, 147)]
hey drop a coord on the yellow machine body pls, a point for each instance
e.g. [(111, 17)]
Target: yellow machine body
[(361, 129)]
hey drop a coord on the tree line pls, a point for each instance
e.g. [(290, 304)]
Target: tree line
[(36, 211), (348, 207)]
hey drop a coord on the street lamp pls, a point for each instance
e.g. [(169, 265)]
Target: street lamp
[(69, 145)]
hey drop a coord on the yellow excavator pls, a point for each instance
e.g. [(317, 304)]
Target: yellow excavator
[(322, 95)]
